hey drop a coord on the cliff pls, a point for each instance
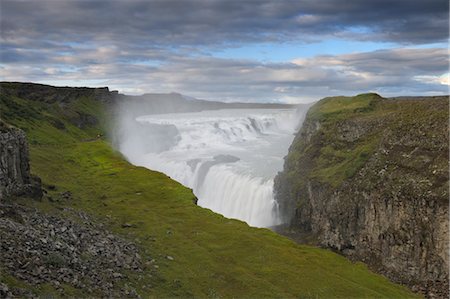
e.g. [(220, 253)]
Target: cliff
[(15, 177), (52, 94), (368, 177)]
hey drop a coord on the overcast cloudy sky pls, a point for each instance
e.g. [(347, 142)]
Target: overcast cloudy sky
[(288, 51)]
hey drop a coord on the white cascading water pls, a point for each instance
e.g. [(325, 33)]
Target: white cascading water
[(228, 157)]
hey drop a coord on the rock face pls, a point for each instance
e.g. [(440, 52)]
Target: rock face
[(368, 177), (15, 177)]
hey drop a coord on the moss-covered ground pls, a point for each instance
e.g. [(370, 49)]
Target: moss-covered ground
[(212, 256), (334, 156)]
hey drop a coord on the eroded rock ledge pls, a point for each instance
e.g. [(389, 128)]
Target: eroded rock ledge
[(15, 177)]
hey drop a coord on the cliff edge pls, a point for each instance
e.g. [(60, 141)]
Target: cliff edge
[(368, 177), (15, 177)]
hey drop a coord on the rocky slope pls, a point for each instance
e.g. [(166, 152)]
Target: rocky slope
[(65, 249), (15, 177), (368, 177), (68, 252)]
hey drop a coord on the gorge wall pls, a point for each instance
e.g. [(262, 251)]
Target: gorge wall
[(15, 177), (368, 177)]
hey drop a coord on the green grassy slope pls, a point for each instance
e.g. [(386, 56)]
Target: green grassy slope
[(334, 156), (337, 161), (212, 256)]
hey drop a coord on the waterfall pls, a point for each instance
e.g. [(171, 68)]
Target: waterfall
[(228, 157)]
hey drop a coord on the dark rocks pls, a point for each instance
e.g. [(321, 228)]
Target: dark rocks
[(66, 195), (57, 123), (4, 291), (15, 177), (51, 187), (38, 249), (128, 225), (83, 120)]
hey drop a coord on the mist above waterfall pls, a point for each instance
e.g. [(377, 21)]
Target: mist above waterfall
[(228, 156)]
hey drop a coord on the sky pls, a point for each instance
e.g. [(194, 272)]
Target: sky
[(247, 50)]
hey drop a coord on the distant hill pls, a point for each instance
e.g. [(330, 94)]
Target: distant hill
[(175, 102), (149, 103)]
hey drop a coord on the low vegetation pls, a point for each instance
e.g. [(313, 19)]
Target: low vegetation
[(351, 129)]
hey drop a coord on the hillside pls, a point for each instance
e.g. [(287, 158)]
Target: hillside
[(368, 177), (168, 246)]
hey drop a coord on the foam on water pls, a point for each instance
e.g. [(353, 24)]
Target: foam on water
[(228, 157)]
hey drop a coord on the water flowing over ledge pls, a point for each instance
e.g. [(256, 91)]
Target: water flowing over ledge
[(228, 157)]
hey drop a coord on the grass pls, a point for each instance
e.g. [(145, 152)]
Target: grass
[(329, 158), (42, 290), (333, 108), (338, 162), (212, 256)]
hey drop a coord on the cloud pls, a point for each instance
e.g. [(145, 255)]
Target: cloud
[(388, 72), (162, 46), (217, 23), (443, 79)]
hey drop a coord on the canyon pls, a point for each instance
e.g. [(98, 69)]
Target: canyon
[(364, 176)]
